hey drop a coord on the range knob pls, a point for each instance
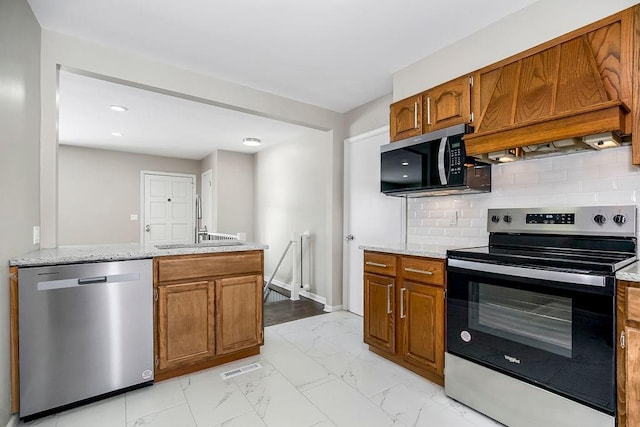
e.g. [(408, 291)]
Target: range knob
[(599, 219), (495, 218), (507, 218), (619, 219)]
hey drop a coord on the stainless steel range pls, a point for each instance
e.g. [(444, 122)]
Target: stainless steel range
[(531, 317)]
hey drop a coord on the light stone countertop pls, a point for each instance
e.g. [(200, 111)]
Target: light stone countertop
[(415, 249), (630, 273), (117, 252)]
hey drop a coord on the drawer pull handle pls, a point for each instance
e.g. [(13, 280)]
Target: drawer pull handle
[(389, 298), (415, 270), (376, 264)]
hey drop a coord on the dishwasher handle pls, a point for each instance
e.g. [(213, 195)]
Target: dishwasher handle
[(50, 285), (91, 280)]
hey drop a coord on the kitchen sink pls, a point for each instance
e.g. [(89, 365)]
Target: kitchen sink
[(206, 244)]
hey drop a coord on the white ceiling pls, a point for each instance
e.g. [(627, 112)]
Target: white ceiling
[(335, 54), (330, 53), (158, 124)]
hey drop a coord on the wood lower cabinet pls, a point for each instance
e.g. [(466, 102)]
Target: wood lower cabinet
[(422, 326), (185, 323), (628, 353), (208, 310), (404, 311), (238, 313), (379, 324)]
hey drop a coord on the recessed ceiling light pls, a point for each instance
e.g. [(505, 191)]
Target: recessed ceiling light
[(118, 108), (405, 176), (405, 163), (251, 142), (118, 134)]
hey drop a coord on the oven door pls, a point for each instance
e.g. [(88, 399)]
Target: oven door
[(548, 328)]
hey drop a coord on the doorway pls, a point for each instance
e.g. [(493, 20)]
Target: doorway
[(369, 216), (167, 207)]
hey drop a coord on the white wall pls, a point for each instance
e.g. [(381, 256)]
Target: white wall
[(582, 179), (367, 117), (19, 156), (100, 189), (290, 187), (77, 54), (234, 184), (529, 27)]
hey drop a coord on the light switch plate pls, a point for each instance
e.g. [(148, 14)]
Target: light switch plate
[(36, 234), (133, 217)]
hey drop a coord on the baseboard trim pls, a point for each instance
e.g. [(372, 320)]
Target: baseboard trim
[(303, 293), (13, 421), (332, 308)]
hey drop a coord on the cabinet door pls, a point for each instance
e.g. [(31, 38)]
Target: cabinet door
[(422, 325), (238, 313), (185, 323), (378, 312), (633, 376), (448, 104), (406, 118)]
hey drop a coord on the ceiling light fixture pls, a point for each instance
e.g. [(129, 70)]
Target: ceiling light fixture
[(251, 142), (118, 108), (118, 134), (405, 163)]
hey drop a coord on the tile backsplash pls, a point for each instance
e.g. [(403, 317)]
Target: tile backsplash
[(581, 179)]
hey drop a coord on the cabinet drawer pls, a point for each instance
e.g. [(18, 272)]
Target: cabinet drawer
[(375, 262), (423, 270), (633, 304), (195, 266)]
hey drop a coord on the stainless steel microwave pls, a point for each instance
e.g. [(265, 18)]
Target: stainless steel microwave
[(433, 164)]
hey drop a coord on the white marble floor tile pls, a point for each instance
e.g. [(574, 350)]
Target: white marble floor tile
[(274, 343), (299, 369), (280, 404), (247, 420), (346, 407), (106, 413), (286, 328), (149, 400), (213, 400), (177, 416), (325, 423)]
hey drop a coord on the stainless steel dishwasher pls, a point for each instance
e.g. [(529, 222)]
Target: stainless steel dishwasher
[(85, 330)]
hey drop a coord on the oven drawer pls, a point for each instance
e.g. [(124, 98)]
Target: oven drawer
[(378, 263), (633, 304), (423, 270)]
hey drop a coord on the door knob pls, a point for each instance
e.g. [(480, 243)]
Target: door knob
[(147, 228), (349, 237)]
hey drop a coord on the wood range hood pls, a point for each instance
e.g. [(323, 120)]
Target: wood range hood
[(576, 85)]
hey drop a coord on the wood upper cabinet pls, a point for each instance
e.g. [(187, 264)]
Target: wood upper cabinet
[(575, 85), (448, 104), (185, 323), (406, 118), (238, 313), (404, 311), (379, 324), (628, 353)]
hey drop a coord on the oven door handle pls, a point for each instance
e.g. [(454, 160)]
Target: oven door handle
[(530, 273)]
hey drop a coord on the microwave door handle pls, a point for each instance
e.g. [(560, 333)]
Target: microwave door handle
[(441, 168)]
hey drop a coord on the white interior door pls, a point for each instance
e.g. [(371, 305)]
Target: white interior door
[(206, 188), (370, 217), (168, 208)]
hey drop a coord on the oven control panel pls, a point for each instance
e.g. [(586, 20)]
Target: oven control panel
[(551, 218), (581, 220)]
